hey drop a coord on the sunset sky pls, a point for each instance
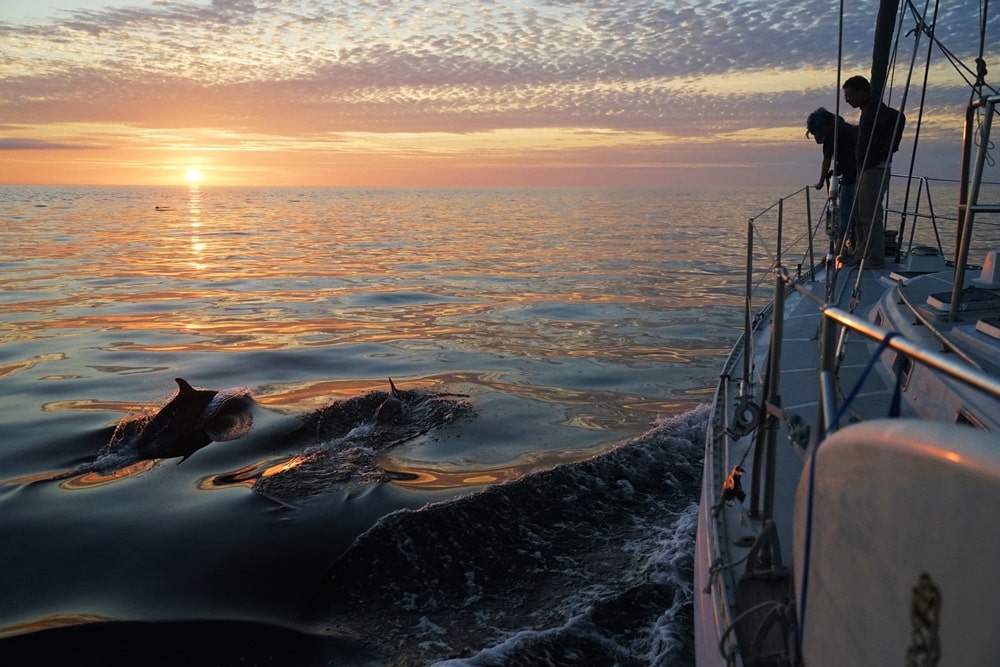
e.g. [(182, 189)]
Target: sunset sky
[(440, 92)]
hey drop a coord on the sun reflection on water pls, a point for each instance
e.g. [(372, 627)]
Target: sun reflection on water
[(194, 215)]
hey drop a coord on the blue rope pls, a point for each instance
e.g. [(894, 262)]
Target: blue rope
[(835, 423), (833, 426)]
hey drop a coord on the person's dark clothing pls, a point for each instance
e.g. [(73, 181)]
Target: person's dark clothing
[(876, 132), (847, 141)]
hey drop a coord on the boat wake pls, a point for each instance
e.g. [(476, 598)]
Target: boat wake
[(587, 563)]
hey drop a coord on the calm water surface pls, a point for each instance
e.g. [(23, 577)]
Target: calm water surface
[(528, 328), (614, 305)]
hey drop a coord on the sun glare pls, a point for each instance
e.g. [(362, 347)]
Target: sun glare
[(193, 176)]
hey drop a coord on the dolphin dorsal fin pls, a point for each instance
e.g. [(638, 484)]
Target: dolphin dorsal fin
[(183, 386), (392, 389)]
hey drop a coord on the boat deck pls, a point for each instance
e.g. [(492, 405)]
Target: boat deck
[(754, 565), (799, 391), (739, 526)]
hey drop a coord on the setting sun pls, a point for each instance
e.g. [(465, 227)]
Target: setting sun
[(193, 176)]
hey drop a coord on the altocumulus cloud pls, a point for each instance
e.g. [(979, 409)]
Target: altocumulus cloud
[(376, 65), (717, 73)]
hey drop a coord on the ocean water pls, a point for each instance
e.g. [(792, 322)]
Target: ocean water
[(529, 501)]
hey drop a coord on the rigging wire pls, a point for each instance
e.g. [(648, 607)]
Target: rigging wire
[(883, 185), (981, 81), (929, 31), (980, 62), (836, 127), (976, 80)]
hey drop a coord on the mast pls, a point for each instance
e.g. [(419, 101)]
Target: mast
[(885, 25)]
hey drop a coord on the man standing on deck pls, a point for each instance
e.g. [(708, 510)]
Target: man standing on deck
[(877, 141), (824, 127)]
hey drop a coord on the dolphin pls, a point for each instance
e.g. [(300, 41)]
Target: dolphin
[(176, 430), (391, 408), (192, 419)]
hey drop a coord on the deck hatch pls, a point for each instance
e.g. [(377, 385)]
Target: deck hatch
[(989, 326), (973, 298)]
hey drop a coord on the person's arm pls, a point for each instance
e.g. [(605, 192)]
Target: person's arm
[(824, 173)]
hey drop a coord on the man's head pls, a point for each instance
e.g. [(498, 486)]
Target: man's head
[(857, 91), (819, 123)]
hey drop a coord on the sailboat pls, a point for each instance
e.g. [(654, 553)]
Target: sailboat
[(852, 459)]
